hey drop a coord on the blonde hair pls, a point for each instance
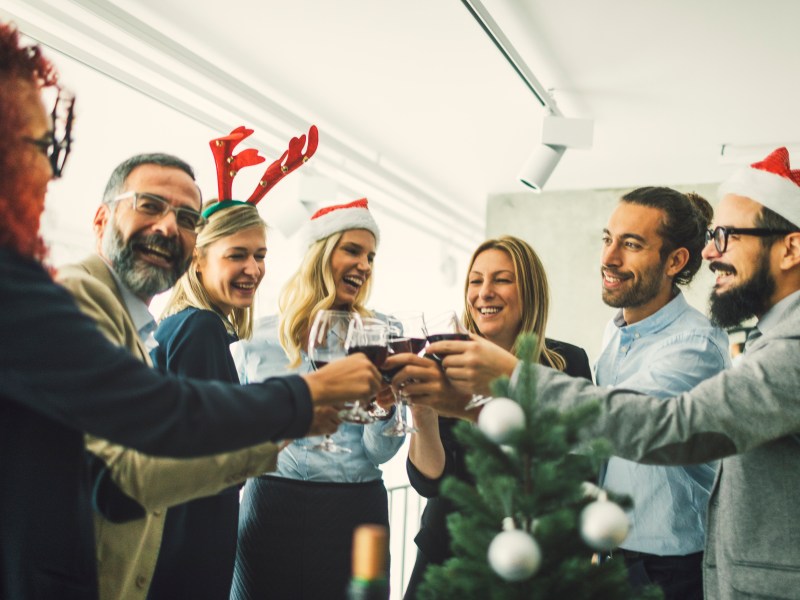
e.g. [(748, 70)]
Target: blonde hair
[(189, 290), (534, 294), (311, 289)]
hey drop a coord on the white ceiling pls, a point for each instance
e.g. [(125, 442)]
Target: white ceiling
[(416, 89)]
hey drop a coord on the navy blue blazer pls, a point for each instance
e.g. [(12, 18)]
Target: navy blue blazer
[(59, 378)]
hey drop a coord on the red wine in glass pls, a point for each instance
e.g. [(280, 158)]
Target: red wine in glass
[(398, 345), (376, 354), (445, 337)]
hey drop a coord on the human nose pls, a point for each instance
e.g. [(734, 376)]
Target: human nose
[(487, 290), (710, 251), (610, 255), (167, 224), (252, 267)]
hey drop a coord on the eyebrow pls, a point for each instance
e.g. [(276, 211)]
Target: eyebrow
[(508, 271), (627, 236)]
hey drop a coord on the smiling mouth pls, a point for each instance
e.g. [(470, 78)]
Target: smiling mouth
[(611, 279), (249, 286), (155, 252), (355, 282), (489, 310)]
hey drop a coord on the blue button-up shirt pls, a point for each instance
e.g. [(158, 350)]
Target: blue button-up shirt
[(262, 357), (667, 353)]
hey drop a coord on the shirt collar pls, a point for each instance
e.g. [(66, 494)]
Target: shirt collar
[(658, 320), (775, 314), (139, 312)]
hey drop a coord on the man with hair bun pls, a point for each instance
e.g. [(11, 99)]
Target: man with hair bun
[(659, 345)]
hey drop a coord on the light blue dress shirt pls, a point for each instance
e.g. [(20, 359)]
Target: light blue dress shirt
[(262, 357), (669, 352)]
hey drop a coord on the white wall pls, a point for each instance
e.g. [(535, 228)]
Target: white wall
[(565, 229)]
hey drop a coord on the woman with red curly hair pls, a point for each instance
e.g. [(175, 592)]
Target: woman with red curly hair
[(61, 377)]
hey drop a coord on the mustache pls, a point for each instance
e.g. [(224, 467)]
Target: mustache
[(719, 265), (170, 246)]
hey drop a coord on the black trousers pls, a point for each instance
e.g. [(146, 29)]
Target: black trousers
[(295, 537), (679, 577)]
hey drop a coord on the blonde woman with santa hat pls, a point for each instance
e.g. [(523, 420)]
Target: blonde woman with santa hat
[(296, 525)]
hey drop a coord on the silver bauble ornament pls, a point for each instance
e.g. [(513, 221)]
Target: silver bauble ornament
[(500, 418), (604, 525), (514, 555)]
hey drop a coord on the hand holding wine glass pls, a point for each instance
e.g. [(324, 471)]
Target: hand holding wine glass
[(447, 327)]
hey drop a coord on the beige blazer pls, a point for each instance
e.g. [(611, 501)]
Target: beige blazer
[(127, 552)]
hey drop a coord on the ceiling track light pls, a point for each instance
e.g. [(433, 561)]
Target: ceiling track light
[(558, 132)]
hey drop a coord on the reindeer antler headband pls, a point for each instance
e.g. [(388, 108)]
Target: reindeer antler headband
[(228, 165)]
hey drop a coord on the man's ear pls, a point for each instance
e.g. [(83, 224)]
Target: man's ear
[(790, 251), (101, 218), (676, 261)]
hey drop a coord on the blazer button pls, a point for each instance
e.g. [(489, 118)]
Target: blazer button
[(141, 580), (157, 513)]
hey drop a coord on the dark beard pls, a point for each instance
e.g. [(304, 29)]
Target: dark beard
[(141, 278), (647, 288), (746, 300)]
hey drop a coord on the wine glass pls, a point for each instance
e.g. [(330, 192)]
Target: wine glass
[(326, 343), (407, 333), (367, 336), (447, 326)]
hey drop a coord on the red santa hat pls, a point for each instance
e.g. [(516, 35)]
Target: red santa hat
[(771, 183), (342, 217)]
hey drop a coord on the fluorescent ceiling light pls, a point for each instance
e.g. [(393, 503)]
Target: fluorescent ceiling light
[(746, 154)]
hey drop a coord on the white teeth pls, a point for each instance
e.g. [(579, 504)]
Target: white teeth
[(353, 281), (489, 310), (245, 286), (156, 250)]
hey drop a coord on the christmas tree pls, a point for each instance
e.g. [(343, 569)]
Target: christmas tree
[(528, 524)]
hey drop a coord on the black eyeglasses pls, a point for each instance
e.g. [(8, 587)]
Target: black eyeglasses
[(156, 206), (56, 143), (721, 234)]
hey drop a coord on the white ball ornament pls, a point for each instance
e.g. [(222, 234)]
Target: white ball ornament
[(514, 555), (500, 418), (604, 525)]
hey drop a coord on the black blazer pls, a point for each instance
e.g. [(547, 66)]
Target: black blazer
[(433, 539), (59, 378)]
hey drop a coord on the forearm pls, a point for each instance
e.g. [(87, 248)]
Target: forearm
[(162, 482), (426, 451)]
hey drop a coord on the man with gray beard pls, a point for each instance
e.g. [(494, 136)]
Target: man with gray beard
[(145, 229)]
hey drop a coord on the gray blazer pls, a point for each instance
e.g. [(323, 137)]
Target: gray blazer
[(748, 416)]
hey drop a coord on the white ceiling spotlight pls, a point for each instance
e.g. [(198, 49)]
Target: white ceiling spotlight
[(558, 132)]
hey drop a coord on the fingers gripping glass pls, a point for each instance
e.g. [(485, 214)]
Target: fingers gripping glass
[(448, 327), (721, 234), (56, 143), (156, 206)]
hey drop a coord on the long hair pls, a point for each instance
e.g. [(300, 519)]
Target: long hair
[(534, 294), (311, 289), (22, 68), (190, 291)]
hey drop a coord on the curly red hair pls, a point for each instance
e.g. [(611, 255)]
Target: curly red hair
[(22, 68)]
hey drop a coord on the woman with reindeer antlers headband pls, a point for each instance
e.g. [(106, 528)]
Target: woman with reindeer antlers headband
[(296, 525), (211, 307)]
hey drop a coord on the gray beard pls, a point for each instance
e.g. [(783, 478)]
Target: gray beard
[(140, 277)]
